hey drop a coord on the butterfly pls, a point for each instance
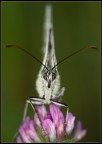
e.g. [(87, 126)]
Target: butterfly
[(48, 79)]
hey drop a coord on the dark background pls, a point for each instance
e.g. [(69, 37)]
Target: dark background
[(76, 25)]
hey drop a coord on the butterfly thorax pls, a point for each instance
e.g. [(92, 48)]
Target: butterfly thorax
[(48, 84)]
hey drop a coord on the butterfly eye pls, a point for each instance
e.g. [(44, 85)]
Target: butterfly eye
[(45, 76), (53, 76)]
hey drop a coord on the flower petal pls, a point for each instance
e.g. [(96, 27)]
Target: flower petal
[(41, 111), (39, 116), (27, 132), (79, 133), (26, 122), (48, 116), (19, 140), (32, 132), (58, 120), (24, 136), (56, 114), (36, 120), (39, 123), (50, 128), (60, 130), (70, 123)]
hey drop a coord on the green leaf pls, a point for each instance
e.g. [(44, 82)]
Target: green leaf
[(40, 135), (72, 140)]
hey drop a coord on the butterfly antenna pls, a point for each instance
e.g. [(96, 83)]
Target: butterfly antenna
[(16, 46), (88, 47)]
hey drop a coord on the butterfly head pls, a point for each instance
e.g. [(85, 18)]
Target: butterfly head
[(49, 76)]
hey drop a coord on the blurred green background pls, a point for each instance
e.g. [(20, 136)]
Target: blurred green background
[(76, 25)]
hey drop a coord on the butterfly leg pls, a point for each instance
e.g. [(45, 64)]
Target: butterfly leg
[(61, 92), (32, 101), (35, 101)]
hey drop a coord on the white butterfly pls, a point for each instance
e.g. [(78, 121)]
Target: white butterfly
[(48, 80)]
